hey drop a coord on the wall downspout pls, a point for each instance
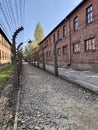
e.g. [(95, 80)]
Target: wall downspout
[(43, 58), (69, 43)]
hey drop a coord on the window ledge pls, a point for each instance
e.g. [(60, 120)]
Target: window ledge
[(87, 24), (76, 52), (87, 51)]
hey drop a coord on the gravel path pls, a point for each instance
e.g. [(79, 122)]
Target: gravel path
[(50, 103), (8, 99)]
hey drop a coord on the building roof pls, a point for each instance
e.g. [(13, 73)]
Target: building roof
[(65, 19), (2, 32)]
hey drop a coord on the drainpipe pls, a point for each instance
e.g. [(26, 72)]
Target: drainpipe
[(38, 58), (69, 43), (43, 58)]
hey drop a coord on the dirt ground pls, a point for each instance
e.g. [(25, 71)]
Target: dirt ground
[(8, 98), (50, 103)]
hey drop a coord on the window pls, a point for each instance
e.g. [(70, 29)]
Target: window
[(3, 40), (49, 39), (46, 43), (89, 14), (0, 38), (59, 51), (76, 23), (64, 50), (58, 35), (49, 53), (3, 55), (90, 44), (64, 31), (76, 47), (0, 54), (53, 37)]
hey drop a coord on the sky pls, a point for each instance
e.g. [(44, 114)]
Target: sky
[(48, 12)]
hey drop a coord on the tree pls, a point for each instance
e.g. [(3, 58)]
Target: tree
[(31, 45), (39, 33), (28, 49)]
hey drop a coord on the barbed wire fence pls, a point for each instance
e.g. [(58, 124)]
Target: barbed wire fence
[(12, 16)]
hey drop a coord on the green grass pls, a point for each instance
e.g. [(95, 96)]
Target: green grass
[(5, 73)]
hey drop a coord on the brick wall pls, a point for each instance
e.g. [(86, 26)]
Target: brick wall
[(76, 55), (5, 50)]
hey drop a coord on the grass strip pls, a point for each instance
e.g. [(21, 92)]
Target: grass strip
[(5, 73)]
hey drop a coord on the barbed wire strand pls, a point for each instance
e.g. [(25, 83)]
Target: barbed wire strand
[(8, 14), (9, 26), (11, 14)]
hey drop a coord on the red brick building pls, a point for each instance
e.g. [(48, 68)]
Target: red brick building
[(5, 49), (76, 37)]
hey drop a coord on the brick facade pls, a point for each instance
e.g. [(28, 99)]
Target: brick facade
[(5, 49), (76, 38)]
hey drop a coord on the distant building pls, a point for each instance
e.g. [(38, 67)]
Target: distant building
[(76, 37), (5, 48)]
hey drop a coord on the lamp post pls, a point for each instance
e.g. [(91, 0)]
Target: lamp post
[(19, 51), (26, 51)]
